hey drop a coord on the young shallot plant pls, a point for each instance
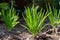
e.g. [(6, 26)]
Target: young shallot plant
[(10, 18), (54, 18), (34, 20)]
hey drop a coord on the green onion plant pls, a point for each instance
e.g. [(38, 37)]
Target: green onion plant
[(54, 18), (10, 18), (34, 19)]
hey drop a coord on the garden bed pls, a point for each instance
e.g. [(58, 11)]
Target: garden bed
[(35, 24), (19, 33)]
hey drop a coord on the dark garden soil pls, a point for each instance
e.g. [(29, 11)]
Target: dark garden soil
[(19, 33)]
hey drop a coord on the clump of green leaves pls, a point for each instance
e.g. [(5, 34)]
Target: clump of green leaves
[(10, 18), (54, 17), (34, 19), (5, 7)]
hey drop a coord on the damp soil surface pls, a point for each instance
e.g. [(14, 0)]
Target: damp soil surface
[(19, 33)]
